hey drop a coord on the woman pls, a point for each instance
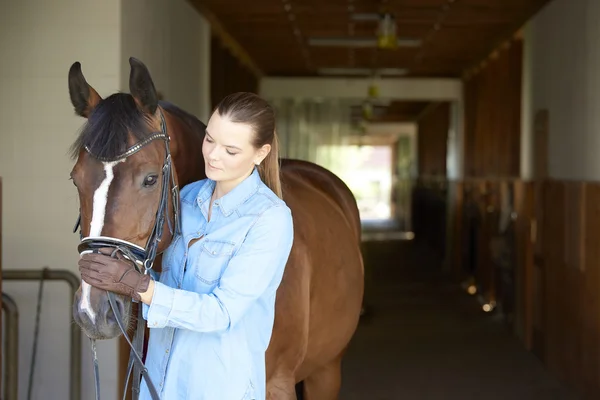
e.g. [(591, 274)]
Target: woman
[(211, 313)]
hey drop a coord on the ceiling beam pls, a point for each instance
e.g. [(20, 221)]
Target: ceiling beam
[(428, 110), (228, 41)]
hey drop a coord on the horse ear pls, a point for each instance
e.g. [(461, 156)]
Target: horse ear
[(141, 86), (83, 97)]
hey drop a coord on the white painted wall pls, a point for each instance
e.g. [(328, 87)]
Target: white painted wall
[(562, 60), (39, 40), (173, 40), (357, 88), (455, 153)]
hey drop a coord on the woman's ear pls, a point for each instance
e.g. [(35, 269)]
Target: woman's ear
[(263, 152)]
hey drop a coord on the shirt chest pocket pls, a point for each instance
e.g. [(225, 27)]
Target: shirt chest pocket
[(213, 257)]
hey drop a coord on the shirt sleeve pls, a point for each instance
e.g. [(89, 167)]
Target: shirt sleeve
[(256, 268)]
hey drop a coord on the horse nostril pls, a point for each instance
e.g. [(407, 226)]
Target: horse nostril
[(111, 316)]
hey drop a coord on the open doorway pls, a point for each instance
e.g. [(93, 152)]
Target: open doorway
[(367, 170)]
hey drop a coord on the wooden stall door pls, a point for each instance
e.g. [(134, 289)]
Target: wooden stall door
[(540, 143)]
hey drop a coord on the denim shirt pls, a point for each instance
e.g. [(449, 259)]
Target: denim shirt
[(212, 312)]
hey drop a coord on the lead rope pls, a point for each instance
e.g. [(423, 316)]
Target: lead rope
[(139, 369), (151, 388), (96, 369)]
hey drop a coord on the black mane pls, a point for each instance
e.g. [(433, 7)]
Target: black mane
[(107, 129)]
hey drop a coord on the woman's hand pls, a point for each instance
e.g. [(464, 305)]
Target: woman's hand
[(116, 275)]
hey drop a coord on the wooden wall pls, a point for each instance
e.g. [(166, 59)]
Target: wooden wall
[(432, 140), (541, 269), (493, 114), (492, 131), (549, 295), (227, 73), (566, 271)]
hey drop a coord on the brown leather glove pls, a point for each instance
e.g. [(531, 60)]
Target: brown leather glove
[(116, 275)]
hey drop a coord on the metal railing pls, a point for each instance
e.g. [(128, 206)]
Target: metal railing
[(11, 348), (75, 335)]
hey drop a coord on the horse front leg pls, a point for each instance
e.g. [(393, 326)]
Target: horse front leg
[(324, 383), (281, 387)]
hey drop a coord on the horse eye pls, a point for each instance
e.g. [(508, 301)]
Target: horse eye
[(150, 180)]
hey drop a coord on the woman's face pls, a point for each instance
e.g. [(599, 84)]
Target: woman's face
[(229, 155)]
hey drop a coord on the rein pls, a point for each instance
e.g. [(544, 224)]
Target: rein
[(143, 259)]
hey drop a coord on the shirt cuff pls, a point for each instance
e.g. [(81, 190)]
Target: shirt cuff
[(160, 306)]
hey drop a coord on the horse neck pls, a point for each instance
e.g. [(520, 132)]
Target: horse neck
[(187, 134)]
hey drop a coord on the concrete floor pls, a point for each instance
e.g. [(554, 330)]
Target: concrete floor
[(426, 339)]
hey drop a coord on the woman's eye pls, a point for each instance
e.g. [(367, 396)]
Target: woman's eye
[(230, 153), (150, 180)]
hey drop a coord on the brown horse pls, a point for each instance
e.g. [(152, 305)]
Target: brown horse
[(319, 301)]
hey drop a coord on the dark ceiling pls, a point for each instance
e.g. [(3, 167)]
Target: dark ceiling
[(453, 34)]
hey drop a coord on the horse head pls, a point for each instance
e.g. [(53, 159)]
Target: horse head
[(126, 183)]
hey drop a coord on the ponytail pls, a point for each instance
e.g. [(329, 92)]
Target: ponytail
[(269, 168)]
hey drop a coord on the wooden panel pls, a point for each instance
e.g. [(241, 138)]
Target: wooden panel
[(553, 270), (432, 140), (429, 207), (524, 207), (590, 299), (493, 116), (456, 199), (571, 278)]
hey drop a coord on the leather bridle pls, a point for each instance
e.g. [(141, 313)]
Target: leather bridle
[(142, 258)]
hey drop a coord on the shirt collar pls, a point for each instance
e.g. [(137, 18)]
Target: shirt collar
[(235, 198)]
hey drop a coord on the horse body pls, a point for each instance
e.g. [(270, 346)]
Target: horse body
[(318, 303), (319, 300)]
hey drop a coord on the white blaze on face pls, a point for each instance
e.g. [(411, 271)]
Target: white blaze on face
[(98, 213)]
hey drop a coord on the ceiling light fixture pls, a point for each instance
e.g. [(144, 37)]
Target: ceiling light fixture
[(363, 71), (357, 42)]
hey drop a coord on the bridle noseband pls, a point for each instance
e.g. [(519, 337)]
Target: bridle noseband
[(143, 258)]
